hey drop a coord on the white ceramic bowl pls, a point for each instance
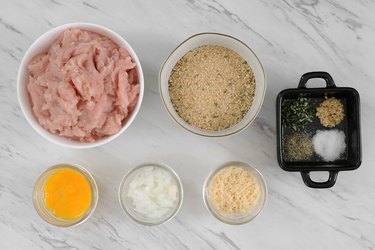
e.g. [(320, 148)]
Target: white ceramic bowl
[(42, 44), (225, 41)]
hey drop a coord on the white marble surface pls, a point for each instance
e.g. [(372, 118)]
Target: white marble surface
[(290, 37)]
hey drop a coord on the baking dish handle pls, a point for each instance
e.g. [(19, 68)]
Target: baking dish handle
[(317, 74), (327, 184)]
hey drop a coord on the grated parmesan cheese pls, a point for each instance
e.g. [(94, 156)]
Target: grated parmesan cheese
[(234, 190)]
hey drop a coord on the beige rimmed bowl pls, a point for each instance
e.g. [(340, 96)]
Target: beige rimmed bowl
[(38, 196), (42, 44), (225, 41)]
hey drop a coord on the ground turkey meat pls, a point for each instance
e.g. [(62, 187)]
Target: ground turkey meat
[(84, 87)]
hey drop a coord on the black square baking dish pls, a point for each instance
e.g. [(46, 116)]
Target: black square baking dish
[(351, 158)]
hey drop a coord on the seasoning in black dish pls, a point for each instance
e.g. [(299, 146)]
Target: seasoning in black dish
[(330, 112), (298, 147), (296, 113), (329, 144), (349, 155)]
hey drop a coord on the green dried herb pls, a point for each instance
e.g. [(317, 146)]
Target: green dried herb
[(298, 147), (296, 113)]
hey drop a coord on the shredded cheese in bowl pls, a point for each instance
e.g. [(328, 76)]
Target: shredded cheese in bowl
[(235, 193), (234, 190)]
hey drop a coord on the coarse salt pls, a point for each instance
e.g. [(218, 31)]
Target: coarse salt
[(329, 144)]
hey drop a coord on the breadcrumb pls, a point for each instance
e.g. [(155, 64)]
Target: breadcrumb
[(212, 87)]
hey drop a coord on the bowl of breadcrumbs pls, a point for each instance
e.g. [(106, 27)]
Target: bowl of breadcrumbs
[(212, 85)]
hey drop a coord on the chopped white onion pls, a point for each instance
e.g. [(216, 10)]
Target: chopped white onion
[(153, 192)]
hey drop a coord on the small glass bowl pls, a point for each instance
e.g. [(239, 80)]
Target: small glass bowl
[(237, 219), (126, 202), (38, 196)]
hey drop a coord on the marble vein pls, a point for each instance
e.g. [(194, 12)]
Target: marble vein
[(290, 37)]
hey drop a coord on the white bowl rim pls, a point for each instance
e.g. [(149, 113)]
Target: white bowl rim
[(76, 144), (203, 134)]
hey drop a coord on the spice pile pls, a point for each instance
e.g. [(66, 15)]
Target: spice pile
[(296, 113), (329, 144), (298, 147), (330, 112)]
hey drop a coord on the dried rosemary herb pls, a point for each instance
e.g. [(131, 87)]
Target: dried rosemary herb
[(298, 147), (296, 113)]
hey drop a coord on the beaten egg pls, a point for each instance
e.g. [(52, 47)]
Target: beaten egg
[(67, 194)]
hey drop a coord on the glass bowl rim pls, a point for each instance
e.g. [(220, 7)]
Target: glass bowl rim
[(137, 168), (248, 168), (90, 179)]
